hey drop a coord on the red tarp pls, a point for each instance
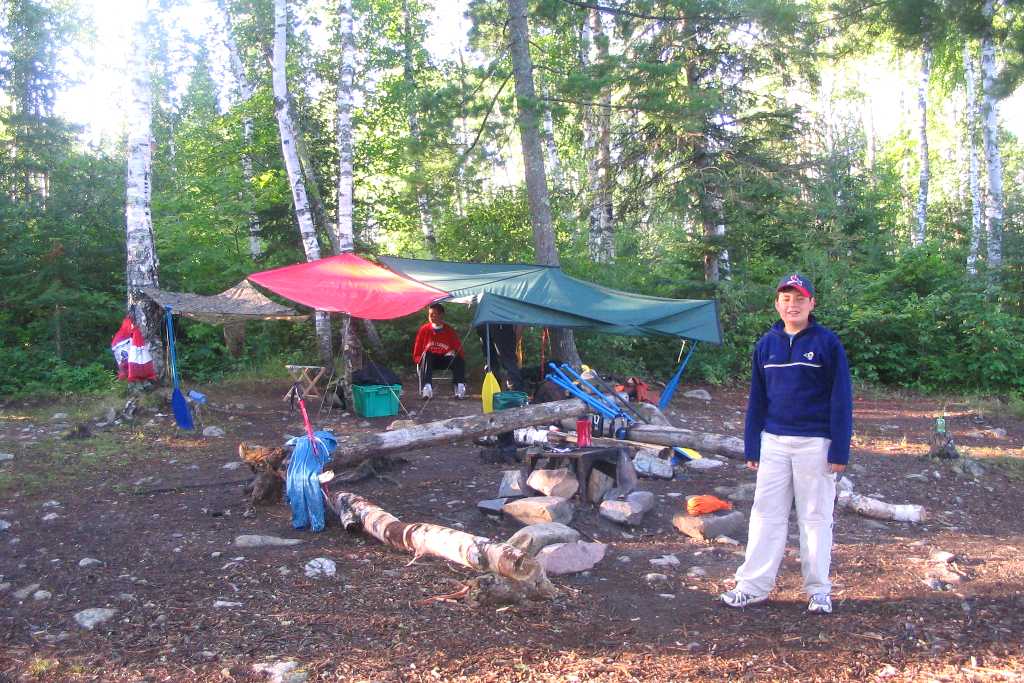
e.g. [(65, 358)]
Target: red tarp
[(349, 284)]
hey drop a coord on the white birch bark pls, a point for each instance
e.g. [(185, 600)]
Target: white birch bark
[(344, 233), (245, 92), (310, 243), (990, 138), (141, 262), (550, 149), (408, 74), (921, 214), (971, 113), (601, 238)]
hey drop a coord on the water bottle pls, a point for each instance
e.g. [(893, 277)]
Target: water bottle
[(940, 425)]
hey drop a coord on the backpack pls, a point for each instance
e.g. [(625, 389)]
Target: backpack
[(373, 373)]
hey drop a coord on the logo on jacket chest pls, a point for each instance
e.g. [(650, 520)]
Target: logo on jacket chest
[(809, 355)]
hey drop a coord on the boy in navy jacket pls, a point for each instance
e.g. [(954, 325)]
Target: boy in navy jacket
[(797, 437)]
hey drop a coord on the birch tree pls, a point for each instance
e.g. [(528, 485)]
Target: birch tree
[(286, 128), (990, 138), (971, 115), (597, 143), (245, 92), (415, 136), (563, 342), (921, 214), (142, 264)]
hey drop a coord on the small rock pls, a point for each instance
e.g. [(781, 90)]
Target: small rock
[(696, 572), (513, 484), (698, 394), (570, 558), (257, 540), (232, 465), (539, 510), (42, 595), (59, 416), (51, 504), (87, 562), (94, 616), (281, 672), (213, 431), (665, 561), (727, 540), (321, 567), (655, 577), (560, 483), (625, 559), (743, 492), (4, 525), (705, 527), (649, 464), (23, 593), (598, 485), (226, 603), (531, 539), (622, 512), (704, 464), (645, 499), (6, 457), (492, 506)]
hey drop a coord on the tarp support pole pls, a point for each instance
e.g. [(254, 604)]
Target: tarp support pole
[(670, 388)]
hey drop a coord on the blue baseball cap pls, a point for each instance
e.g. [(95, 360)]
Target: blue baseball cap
[(799, 283)]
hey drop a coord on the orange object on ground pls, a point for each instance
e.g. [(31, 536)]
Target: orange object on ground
[(703, 505)]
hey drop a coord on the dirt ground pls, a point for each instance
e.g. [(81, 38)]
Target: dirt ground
[(167, 557)]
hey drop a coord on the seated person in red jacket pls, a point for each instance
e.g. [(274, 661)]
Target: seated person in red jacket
[(437, 347)]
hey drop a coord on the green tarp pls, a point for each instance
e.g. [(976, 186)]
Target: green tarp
[(527, 294)]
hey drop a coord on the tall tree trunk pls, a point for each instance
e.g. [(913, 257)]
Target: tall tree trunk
[(310, 244), (245, 91), (550, 148), (709, 200), (868, 116), (415, 137), (141, 263), (563, 342), (921, 214), (990, 137), (344, 235), (971, 113), (601, 238)]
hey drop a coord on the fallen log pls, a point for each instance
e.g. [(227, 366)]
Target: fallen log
[(359, 447), (703, 442), (879, 509), (660, 436), (433, 540)]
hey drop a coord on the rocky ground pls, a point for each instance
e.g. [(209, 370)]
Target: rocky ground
[(119, 561)]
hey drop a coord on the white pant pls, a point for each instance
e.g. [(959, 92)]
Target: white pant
[(792, 467)]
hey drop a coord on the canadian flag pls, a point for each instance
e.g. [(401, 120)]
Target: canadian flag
[(131, 353)]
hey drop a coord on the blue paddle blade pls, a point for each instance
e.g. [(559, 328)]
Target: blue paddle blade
[(182, 414)]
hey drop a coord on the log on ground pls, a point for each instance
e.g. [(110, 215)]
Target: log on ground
[(433, 540), (362, 446)]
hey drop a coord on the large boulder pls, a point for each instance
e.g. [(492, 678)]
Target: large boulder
[(648, 464), (569, 558), (598, 485), (513, 484), (539, 510), (560, 483), (531, 539)]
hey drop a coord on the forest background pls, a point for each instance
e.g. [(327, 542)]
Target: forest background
[(692, 149)]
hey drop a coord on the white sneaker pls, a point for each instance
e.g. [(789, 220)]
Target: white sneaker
[(820, 603), (427, 392), (460, 390), (737, 598)]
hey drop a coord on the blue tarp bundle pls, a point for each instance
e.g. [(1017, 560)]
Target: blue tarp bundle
[(303, 487)]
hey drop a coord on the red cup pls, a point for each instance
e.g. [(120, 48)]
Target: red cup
[(583, 433)]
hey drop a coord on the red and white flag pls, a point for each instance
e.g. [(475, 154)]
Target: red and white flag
[(131, 353)]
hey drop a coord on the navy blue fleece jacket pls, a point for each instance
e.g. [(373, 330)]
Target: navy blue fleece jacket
[(800, 386)]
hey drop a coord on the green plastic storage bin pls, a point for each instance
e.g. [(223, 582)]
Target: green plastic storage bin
[(503, 400), (376, 400)]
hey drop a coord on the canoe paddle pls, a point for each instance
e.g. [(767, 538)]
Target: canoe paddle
[(182, 414)]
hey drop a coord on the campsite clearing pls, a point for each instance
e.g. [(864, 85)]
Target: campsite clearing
[(172, 597)]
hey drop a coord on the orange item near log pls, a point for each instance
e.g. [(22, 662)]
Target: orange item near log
[(703, 505)]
